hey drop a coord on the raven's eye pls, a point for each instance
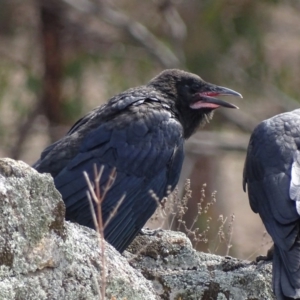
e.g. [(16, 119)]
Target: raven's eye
[(194, 88), (191, 88)]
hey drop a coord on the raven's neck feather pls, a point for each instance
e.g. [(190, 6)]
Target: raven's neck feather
[(191, 119)]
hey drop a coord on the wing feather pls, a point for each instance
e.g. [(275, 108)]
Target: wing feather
[(142, 140)]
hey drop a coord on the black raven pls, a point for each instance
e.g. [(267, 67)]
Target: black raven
[(141, 133), (272, 176)]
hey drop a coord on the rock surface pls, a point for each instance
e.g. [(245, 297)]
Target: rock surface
[(179, 272), (44, 257)]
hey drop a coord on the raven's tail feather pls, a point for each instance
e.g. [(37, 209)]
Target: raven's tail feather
[(286, 281)]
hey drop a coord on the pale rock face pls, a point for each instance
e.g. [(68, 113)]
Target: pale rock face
[(44, 257), (179, 271)]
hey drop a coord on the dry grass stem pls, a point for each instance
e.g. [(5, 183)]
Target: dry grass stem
[(174, 208), (95, 198)]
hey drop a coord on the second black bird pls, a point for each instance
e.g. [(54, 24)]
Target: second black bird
[(141, 133), (272, 177)]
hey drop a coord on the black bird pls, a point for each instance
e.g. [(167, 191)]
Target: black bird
[(141, 133), (272, 176)]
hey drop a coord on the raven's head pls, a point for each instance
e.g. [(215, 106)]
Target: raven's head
[(192, 98)]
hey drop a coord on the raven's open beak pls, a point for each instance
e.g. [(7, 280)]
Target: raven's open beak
[(206, 98)]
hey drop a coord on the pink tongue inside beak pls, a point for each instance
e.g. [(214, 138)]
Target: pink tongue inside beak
[(200, 104)]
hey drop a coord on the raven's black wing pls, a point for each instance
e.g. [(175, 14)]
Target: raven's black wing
[(143, 141), (273, 191)]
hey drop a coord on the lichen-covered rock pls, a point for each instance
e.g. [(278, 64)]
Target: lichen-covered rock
[(43, 257), (179, 272), (30, 207)]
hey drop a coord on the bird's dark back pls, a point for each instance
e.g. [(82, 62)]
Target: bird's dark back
[(140, 137), (272, 144), (272, 177)]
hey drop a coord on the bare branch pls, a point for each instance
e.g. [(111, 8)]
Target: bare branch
[(176, 25), (243, 120), (114, 211), (136, 30), (93, 211), (110, 182), (91, 187), (94, 194), (211, 143), (24, 130)]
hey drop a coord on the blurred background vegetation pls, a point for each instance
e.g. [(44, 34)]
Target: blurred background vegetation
[(61, 58)]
